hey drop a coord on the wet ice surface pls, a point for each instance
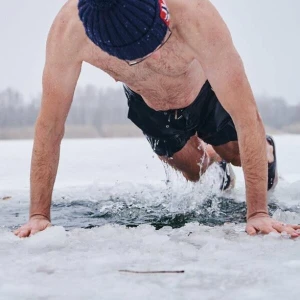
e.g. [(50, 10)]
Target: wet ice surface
[(111, 196)]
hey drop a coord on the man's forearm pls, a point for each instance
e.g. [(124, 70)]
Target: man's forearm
[(45, 158), (252, 144)]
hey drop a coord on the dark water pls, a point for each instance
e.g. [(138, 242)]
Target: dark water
[(88, 214), (214, 211), (134, 209)]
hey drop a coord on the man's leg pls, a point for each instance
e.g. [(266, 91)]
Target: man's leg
[(230, 152), (194, 158), (196, 153)]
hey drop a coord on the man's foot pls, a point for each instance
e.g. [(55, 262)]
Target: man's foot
[(272, 167), (228, 180)]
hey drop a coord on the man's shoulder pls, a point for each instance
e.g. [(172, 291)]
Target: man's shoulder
[(67, 28), (196, 17), (67, 19), (188, 16), (186, 9), (183, 6)]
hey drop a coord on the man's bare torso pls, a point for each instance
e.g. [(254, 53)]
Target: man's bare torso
[(170, 79)]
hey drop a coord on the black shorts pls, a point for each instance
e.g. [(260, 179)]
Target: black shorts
[(168, 131)]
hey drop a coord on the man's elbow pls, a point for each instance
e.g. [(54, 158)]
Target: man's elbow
[(250, 122)]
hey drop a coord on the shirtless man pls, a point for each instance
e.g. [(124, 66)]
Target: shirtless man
[(185, 84)]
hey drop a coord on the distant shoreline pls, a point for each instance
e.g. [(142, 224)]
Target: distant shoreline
[(108, 131), (75, 131)]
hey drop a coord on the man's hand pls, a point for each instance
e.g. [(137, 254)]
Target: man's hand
[(35, 224), (263, 223)]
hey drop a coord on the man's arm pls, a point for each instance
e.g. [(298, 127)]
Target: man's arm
[(61, 72), (224, 69), (212, 45)]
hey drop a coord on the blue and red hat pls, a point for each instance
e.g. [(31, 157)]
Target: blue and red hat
[(126, 29)]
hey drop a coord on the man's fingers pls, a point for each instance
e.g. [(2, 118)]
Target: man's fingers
[(296, 227), (24, 233), (279, 227), (17, 231), (268, 229), (286, 228), (250, 230), (267, 225), (291, 231), (34, 231)]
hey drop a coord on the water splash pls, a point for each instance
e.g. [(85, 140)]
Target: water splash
[(213, 211), (174, 202)]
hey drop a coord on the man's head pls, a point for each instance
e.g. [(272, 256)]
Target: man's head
[(127, 29)]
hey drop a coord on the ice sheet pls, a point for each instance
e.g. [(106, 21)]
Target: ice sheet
[(122, 180)]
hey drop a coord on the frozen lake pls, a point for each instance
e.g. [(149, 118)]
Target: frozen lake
[(117, 208)]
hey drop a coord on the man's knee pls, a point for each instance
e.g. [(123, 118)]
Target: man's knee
[(229, 152), (193, 177), (235, 160)]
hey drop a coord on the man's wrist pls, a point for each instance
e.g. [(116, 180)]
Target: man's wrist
[(37, 215), (258, 213)]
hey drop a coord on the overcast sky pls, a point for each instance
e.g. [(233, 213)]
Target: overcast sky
[(266, 33)]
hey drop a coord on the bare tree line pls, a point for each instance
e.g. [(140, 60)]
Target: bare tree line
[(278, 114), (107, 108), (91, 106)]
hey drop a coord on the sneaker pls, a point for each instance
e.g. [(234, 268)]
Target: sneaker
[(228, 177), (272, 167)]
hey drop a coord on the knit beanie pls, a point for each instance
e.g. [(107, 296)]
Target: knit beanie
[(126, 29)]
